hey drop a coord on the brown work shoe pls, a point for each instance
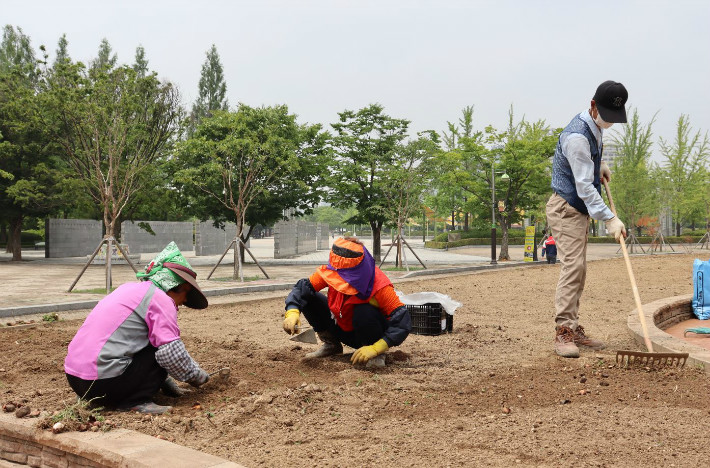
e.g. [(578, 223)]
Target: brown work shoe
[(564, 343), (583, 340)]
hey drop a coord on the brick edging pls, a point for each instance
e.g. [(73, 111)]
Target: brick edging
[(23, 444), (667, 310)]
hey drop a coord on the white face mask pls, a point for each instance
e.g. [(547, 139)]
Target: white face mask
[(601, 123)]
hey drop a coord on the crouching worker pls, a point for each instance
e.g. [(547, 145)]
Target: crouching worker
[(361, 310), (130, 342)]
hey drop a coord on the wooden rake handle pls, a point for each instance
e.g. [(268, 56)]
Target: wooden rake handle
[(637, 298)]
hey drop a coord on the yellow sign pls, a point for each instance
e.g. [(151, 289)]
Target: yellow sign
[(529, 243)]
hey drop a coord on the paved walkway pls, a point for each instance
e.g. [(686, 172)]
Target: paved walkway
[(37, 280)]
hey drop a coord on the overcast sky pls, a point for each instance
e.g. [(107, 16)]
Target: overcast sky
[(422, 60)]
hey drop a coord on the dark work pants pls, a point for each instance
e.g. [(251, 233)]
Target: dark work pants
[(552, 259), (138, 383), (369, 324)]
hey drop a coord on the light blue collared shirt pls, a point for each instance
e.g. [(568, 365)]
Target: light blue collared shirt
[(575, 147)]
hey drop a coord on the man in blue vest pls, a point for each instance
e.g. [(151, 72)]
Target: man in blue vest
[(577, 170)]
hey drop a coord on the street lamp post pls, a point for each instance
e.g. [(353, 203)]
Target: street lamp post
[(493, 216), (493, 212)]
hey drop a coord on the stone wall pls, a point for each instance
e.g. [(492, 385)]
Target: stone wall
[(294, 237), (72, 237), (323, 236), (141, 241), (210, 240), (307, 237), (285, 239)]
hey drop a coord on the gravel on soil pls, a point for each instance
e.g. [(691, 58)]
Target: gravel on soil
[(491, 393)]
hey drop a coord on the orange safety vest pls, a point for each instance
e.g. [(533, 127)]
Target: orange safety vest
[(342, 297)]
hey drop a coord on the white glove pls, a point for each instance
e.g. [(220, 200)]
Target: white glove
[(616, 227), (605, 172), (200, 379)]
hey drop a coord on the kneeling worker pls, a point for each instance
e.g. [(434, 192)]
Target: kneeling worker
[(361, 310), (130, 342)]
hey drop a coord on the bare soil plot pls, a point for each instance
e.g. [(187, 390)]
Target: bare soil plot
[(491, 393)]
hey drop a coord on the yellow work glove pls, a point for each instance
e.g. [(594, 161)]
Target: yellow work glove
[(292, 321), (365, 353)]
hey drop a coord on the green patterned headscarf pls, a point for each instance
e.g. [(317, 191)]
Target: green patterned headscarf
[(159, 275)]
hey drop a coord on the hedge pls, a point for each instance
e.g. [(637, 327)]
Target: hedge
[(27, 239), (644, 240), (477, 234)]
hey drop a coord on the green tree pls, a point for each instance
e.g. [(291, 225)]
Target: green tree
[(451, 196), (113, 126), (16, 53), (634, 192), (364, 144), (334, 217), (250, 166), (28, 164), (140, 65), (104, 59), (408, 175), (212, 89), (683, 170), (522, 152), (62, 53), (526, 159)]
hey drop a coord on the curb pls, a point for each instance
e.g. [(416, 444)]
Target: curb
[(81, 305), (444, 271), (23, 443), (668, 311)]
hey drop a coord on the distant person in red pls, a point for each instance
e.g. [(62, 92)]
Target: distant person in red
[(551, 250)]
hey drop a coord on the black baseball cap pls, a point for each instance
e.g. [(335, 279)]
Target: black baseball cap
[(610, 99)]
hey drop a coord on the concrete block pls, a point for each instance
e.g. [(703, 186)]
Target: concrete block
[(210, 240), (323, 236), (20, 458), (9, 445), (141, 241), (72, 237)]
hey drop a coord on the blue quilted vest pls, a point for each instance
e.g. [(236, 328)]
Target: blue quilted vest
[(562, 178)]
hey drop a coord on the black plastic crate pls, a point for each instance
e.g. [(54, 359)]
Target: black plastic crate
[(427, 319)]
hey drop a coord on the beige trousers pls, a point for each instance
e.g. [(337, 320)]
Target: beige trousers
[(570, 229)]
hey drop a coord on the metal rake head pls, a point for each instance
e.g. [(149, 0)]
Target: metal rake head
[(641, 359)]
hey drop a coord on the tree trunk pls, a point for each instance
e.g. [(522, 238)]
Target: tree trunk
[(237, 272), (677, 229), (465, 215), (376, 241), (424, 227), (3, 232), (117, 229), (8, 246), (14, 243), (504, 240), (108, 222), (398, 261)]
